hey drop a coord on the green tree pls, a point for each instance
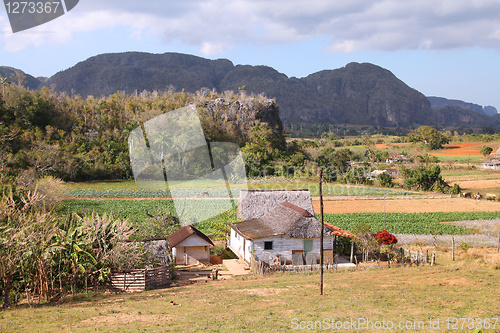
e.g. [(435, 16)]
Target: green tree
[(424, 178), (485, 150), (385, 180), (430, 137), (366, 241)]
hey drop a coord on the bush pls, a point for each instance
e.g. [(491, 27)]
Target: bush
[(385, 180), (220, 250), (384, 237)]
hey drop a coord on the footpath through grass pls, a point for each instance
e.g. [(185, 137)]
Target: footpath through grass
[(413, 297)]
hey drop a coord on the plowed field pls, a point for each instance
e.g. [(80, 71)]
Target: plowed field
[(461, 149), (408, 205)]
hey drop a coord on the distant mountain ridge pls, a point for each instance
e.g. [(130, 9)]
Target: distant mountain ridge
[(359, 94), (17, 76), (440, 102)]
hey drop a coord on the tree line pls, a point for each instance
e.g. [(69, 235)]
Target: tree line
[(43, 133)]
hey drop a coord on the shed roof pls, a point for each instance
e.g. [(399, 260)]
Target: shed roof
[(492, 162), (257, 203), (184, 233), (286, 219)]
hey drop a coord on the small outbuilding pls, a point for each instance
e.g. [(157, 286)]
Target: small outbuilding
[(397, 159), (491, 164), (190, 246)]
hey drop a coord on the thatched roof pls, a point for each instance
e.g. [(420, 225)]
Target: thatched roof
[(285, 219), (185, 232), (256, 203)]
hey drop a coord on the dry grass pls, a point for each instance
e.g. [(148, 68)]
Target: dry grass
[(469, 287)]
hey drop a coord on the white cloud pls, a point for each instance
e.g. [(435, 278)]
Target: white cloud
[(218, 25)]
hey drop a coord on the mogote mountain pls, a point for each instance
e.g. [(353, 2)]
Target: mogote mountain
[(361, 94)]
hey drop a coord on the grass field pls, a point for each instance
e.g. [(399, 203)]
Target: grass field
[(410, 297)]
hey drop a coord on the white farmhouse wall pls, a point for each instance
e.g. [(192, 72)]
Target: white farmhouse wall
[(191, 255), (284, 246), (194, 240), (240, 246)]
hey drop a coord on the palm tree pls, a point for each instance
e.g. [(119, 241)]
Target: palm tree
[(4, 81)]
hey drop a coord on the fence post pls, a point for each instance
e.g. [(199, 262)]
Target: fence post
[(352, 249), (498, 245), (452, 248), (402, 256), (426, 256)]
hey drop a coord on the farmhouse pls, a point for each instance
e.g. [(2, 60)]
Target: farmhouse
[(491, 164), (190, 246), (397, 159), (280, 224), (375, 173)]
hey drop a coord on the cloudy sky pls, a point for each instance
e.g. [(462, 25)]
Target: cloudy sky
[(448, 48)]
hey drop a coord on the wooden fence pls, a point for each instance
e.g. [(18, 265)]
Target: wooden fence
[(404, 257), (265, 266), (413, 257), (141, 279)]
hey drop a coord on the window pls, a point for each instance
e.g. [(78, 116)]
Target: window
[(268, 245), (308, 245)]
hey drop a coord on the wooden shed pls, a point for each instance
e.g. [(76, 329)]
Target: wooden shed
[(190, 246)]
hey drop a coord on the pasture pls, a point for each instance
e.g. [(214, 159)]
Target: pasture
[(409, 297)]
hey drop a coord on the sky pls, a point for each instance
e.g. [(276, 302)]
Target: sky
[(446, 48)]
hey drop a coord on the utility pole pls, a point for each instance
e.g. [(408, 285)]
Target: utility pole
[(321, 237)]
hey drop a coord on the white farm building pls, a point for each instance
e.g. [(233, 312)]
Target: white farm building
[(280, 224)]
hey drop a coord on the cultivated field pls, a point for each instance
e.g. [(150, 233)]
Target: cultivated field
[(407, 205), (461, 149)]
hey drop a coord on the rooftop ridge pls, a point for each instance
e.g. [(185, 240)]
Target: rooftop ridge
[(298, 209)]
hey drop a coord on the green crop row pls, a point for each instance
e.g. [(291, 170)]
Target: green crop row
[(140, 210), (406, 223), (133, 210), (328, 190), (409, 223)]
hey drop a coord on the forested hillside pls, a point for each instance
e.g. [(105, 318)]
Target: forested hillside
[(44, 133)]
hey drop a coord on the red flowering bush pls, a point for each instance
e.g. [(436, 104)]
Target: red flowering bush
[(384, 237)]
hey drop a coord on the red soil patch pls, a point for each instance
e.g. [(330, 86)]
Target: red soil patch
[(461, 149)]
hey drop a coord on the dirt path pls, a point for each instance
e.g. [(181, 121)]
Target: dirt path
[(412, 205), (234, 267)]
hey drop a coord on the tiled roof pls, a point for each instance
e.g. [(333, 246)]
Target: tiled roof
[(185, 232), (339, 232)]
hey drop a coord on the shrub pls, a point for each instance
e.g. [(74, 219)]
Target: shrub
[(384, 237), (220, 250), (385, 180)]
